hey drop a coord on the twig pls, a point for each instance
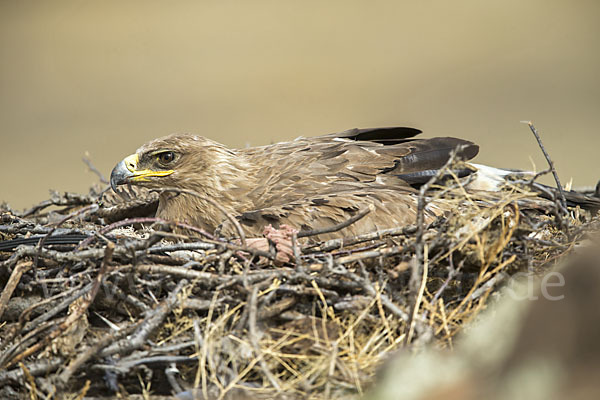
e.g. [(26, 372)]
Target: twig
[(349, 241), (150, 323), (13, 281), (74, 316), (69, 297), (550, 163), (368, 287), (253, 337), (413, 318), (295, 248), (90, 208), (337, 227), (93, 351), (88, 162), (488, 285), (144, 220), (451, 274), (36, 368), (66, 199), (385, 252)]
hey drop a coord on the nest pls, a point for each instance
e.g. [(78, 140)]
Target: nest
[(130, 311)]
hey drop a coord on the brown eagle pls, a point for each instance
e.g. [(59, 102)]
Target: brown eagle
[(308, 183)]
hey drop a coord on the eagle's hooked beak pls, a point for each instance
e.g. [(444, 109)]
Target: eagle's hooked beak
[(126, 172)]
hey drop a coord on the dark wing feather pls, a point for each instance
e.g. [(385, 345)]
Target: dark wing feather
[(387, 135), (426, 154)]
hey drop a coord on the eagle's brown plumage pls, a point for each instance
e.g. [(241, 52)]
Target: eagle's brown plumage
[(308, 183)]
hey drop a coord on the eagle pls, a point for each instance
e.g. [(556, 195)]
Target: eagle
[(310, 183)]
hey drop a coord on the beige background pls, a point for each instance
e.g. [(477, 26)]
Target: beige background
[(106, 76)]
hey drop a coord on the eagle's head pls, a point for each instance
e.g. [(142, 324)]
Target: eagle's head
[(179, 160), (191, 173)]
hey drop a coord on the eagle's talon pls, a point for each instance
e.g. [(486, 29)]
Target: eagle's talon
[(282, 239)]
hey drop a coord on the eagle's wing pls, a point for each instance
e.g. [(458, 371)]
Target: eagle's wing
[(388, 208), (386, 157)]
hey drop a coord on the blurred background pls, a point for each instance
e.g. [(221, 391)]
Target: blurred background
[(105, 77)]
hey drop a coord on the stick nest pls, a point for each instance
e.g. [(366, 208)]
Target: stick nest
[(135, 310)]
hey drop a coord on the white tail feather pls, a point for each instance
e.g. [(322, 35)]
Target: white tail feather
[(492, 179)]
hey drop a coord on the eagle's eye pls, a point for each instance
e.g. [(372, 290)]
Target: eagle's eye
[(166, 157)]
